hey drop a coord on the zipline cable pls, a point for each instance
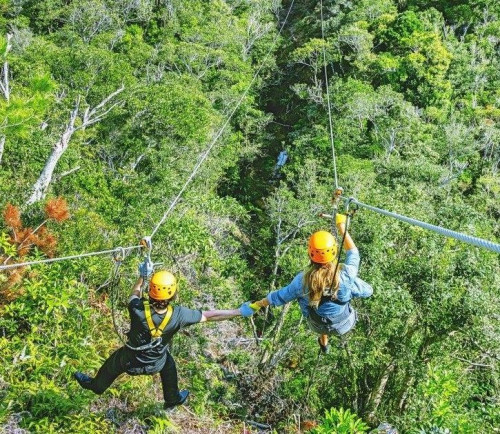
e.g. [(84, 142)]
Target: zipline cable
[(328, 97), (479, 242), (219, 133), (443, 231), (67, 258), (193, 173)]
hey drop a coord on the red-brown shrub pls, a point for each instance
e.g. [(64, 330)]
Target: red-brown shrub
[(12, 216), (57, 209), (45, 241)]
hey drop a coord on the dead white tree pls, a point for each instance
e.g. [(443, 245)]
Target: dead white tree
[(2, 146), (89, 117), (258, 25), (256, 30), (289, 220), (4, 86), (4, 82)]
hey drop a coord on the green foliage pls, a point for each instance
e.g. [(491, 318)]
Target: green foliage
[(8, 249), (436, 400), (413, 88), (340, 421), (39, 369)]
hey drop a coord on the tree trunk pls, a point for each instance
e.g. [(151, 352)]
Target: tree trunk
[(2, 147), (5, 88), (4, 80), (41, 185), (268, 352), (89, 117), (378, 393)]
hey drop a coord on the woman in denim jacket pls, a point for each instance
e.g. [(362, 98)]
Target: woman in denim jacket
[(325, 290)]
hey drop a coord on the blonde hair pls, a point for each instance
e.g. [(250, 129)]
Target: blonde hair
[(319, 278)]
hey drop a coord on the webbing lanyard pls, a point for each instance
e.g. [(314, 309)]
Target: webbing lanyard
[(156, 332)]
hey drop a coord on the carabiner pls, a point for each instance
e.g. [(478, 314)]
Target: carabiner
[(119, 254)]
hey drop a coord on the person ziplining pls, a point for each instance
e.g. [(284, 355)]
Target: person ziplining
[(153, 323), (324, 290)]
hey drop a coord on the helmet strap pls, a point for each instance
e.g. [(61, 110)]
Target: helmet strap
[(159, 304)]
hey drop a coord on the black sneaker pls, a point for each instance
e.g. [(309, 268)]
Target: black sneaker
[(183, 394), (83, 380), (325, 349)]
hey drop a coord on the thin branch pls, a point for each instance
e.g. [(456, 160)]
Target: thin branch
[(478, 365), (257, 424), (254, 331), (2, 147), (68, 172), (484, 351), (91, 116)]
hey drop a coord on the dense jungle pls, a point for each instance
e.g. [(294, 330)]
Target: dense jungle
[(118, 115)]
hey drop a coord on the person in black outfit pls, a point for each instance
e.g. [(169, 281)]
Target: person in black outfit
[(153, 323)]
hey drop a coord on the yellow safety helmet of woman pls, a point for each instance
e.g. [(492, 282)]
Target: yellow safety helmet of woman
[(162, 285), (322, 247)]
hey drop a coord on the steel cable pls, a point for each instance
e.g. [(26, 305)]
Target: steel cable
[(67, 258), (479, 242)]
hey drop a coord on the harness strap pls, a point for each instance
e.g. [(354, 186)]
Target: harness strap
[(153, 344), (326, 298), (156, 332), (333, 320)]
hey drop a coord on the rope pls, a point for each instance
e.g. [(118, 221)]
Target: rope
[(328, 98), (348, 219), (226, 123), (114, 295), (67, 258), (479, 242)]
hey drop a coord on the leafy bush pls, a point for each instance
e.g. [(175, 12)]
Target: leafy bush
[(340, 422)]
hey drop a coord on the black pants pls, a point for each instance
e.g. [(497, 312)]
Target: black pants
[(121, 361)]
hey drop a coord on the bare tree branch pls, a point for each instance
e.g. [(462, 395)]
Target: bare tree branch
[(68, 172), (94, 115), (377, 394), (2, 147), (474, 364), (90, 117), (4, 82)]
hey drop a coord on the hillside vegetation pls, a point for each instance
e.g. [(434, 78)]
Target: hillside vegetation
[(107, 107)]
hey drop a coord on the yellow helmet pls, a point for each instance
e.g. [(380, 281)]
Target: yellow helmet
[(162, 285), (322, 247)]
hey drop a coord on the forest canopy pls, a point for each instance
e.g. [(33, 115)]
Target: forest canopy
[(108, 106)]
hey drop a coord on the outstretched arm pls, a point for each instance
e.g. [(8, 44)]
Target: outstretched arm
[(348, 242), (219, 315), (282, 296), (137, 288)]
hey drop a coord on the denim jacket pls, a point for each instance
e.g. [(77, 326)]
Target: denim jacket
[(350, 286)]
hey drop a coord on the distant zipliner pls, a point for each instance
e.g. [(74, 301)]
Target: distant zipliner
[(325, 289), (280, 162)]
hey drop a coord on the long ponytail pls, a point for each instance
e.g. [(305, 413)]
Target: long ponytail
[(319, 280)]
